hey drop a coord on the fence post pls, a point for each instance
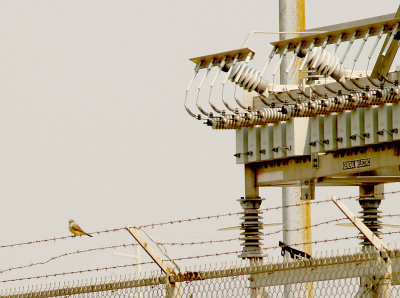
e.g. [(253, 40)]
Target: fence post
[(172, 288), (385, 281)]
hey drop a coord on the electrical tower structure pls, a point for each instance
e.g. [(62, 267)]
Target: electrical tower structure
[(340, 126)]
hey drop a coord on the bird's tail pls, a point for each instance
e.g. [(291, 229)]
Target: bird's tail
[(88, 235)]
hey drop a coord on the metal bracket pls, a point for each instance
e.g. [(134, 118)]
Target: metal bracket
[(283, 148), (308, 190), (215, 59), (354, 137), (315, 160), (382, 132), (321, 142), (294, 253)]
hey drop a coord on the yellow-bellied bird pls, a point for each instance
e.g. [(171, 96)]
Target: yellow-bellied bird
[(76, 229)]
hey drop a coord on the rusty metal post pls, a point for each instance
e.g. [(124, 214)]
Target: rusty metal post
[(296, 219)]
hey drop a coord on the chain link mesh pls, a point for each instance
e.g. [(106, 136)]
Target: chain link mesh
[(362, 274)]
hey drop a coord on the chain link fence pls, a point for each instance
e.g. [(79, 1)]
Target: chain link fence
[(362, 274)]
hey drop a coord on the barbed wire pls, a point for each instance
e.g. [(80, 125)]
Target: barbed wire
[(261, 209), (265, 234), (58, 238), (198, 242), (186, 220), (178, 221), (76, 272), (306, 227), (164, 244), (390, 215), (68, 254), (183, 258), (315, 202), (176, 259), (111, 247), (179, 259), (112, 267), (315, 242), (329, 240)]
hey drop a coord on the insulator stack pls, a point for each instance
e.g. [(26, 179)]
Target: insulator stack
[(308, 109), (247, 77), (369, 202), (325, 63), (260, 117), (250, 227)]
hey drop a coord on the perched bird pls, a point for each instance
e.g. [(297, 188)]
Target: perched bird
[(76, 229)]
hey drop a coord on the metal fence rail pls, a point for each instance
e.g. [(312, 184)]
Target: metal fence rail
[(362, 274)]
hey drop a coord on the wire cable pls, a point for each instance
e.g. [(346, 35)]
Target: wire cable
[(68, 254), (187, 220)]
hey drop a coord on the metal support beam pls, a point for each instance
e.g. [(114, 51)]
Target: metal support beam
[(353, 161), (344, 31), (172, 289), (387, 53), (356, 180), (374, 240)]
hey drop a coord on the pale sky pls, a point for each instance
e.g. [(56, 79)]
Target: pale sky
[(92, 124)]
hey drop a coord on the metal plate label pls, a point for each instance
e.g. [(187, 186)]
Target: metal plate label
[(358, 163)]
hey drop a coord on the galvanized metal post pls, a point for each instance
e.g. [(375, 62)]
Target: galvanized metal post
[(296, 219)]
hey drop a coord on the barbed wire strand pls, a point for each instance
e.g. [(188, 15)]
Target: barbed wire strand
[(184, 220), (265, 234), (110, 247), (112, 267), (162, 244), (59, 238), (180, 259), (330, 240), (314, 202), (68, 254)]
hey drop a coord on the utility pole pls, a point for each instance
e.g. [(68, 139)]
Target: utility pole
[(296, 219)]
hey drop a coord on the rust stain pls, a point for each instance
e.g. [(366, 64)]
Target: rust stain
[(189, 276), (301, 15)]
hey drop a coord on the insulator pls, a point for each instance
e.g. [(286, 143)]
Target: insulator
[(335, 104), (325, 63), (251, 226), (274, 115), (370, 215), (247, 77)]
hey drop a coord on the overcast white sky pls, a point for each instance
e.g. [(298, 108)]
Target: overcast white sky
[(92, 125)]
